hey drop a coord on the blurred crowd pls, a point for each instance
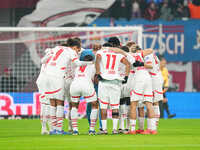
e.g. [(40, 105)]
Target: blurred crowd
[(155, 9)]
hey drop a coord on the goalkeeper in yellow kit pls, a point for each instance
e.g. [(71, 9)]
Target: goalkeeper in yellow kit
[(164, 104)]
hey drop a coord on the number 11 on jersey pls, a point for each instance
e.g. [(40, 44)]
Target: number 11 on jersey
[(109, 56)]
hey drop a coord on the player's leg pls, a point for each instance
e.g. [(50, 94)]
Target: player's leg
[(166, 107), (69, 118), (136, 96), (157, 83), (148, 99), (90, 96), (151, 122), (43, 115), (133, 116), (60, 116), (121, 110), (157, 112), (161, 109), (127, 115), (88, 111), (100, 123), (114, 96), (158, 96), (122, 116), (103, 101), (75, 92), (103, 107), (53, 116), (55, 92), (115, 118), (74, 115), (68, 82), (93, 117), (43, 119), (141, 117), (47, 112)]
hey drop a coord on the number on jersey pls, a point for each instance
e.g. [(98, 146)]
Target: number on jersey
[(82, 68), (109, 57)]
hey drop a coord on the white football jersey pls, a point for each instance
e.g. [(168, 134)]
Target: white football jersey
[(60, 60), (46, 59), (110, 64), (122, 68), (86, 72), (153, 59), (138, 57)]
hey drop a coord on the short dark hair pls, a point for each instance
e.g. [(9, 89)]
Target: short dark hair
[(64, 44), (125, 48), (78, 39), (138, 48), (88, 58), (73, 42), (130, 43), (107, 44), (114, 41)]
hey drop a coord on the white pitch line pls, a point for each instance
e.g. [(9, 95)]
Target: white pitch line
[(111, 146)]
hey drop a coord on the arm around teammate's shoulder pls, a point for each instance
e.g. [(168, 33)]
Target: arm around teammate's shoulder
[(147, 52)]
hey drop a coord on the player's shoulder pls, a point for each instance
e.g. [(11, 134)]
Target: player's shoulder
[(103, 50)]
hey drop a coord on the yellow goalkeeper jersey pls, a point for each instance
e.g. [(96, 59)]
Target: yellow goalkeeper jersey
[(165, 75)]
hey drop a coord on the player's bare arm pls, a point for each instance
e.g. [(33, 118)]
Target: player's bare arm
[(97, 64), (147, 52), (127, 64), (118, 50)]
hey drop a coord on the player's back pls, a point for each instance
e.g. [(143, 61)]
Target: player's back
[(155, 62), (110, 64), (139, 57), (59, 61), (86, 72)]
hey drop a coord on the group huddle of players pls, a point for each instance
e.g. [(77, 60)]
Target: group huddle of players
[(128, 79)]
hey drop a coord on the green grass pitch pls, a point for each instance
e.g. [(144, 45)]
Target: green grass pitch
[(174, 134)]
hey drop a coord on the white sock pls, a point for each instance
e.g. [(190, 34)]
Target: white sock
[(43, 117), (47, 110), (69, 121), (157, 114), (141, 123), (59, 117), (74, 118), (104, 124), (151, 123), (47, 113), (132, 124), (115, 123), (128, 116), (53, 117), (122, 110), (93, 118)]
